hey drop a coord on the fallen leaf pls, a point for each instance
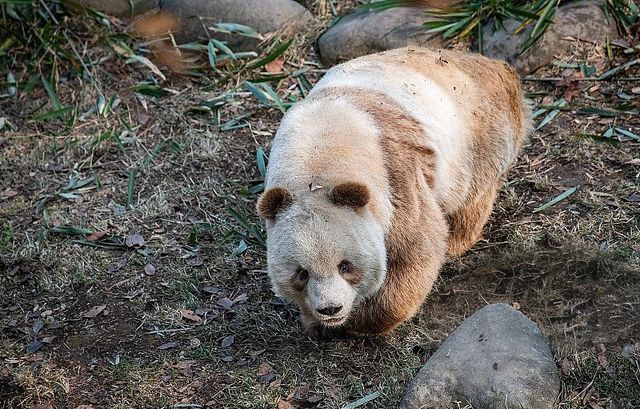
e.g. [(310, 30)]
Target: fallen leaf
[(632, 198), (227, 341), (225, 303), (227, 358), (603, 361), (275, 66), (48, 340), (240, 298), (36, 357), (548, 100), (301, 392), (275, 384), (37, 326), (96, 236), (264, 369), (143, 118), (93, 312), (34, 346), (190, 316), (211, 290), (266, 378), (149, 269), (202, 311), (135, 241), (84, 407), (516, 305), (566, 366), (283, 404), (315, 399), (168, 345)]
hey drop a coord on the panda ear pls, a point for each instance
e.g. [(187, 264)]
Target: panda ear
[(352, 194), (273, 201)]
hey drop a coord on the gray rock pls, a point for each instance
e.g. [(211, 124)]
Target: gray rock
[(118, 8), (496, 358), (583, 20), (264, 16), (366, 32)]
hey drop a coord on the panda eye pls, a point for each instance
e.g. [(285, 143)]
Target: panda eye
[(344, 267), (303, 275)]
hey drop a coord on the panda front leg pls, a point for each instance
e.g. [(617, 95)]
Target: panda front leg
[(466, 224), (416, 253)]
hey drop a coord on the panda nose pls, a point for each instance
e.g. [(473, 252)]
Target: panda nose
[(329, 311)]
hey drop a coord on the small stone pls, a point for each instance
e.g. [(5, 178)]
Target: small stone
[(582, 20), (369, 31), (195, 18), (495, 358)]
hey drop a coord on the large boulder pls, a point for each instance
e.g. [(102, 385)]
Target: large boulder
[(496, 358), (264, 16), (369, 31), (118, 8), (583, 20)]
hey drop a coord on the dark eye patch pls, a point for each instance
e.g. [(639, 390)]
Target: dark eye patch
[(300, 279), (352, 274)]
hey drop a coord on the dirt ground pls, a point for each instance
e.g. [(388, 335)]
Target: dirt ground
[(133, 273)]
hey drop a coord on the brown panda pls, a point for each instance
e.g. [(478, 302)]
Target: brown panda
[(392, 162)]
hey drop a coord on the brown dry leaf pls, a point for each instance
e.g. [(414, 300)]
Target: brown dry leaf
[(548, 100), (275, 66), (96, 236), (94, 312), (275, 384), (264, 369), (516, 305), (283, 404), (36, 357), (168, 345), (603, 361), (84, 407), (301, 392), (190, 316), (566, 366)]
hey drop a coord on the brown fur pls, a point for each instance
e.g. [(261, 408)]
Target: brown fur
[(273, 201), (350, 194)]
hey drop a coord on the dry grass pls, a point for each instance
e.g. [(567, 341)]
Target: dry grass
[(572, 269)]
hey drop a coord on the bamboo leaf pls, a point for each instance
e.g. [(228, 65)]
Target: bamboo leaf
[(556, 200), (53, 97), (277, 52)]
